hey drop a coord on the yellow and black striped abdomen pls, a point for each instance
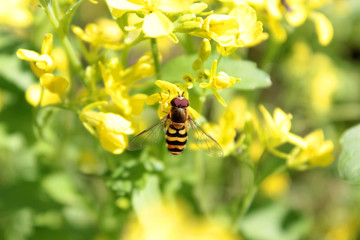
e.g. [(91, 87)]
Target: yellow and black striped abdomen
[(176, 139)]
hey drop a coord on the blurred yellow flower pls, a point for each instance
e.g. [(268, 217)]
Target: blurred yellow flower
[(156, 23), (16, 13), (239, 28), (231, 122), (35, 92), (104, 33), (175, 222), (316, 74), (169, 92), (344, 229), (275, 185), (277, 129), (218, 81), (110, 128), (316, 153), (296, 12), (40, 63)]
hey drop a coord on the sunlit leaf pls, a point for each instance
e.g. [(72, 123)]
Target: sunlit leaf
[(66, 19), (349, 164), (10, 70), (251, 76), (61, 188)]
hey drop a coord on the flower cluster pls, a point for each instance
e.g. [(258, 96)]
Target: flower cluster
[(43, 65), (273, 131), (109, 99)]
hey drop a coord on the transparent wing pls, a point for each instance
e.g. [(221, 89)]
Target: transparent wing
[(148, 136), (203, 140)]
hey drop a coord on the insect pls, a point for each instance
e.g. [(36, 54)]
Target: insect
[(177, 124)]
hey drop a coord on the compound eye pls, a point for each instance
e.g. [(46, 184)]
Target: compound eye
[(176, 102), (184, 102)]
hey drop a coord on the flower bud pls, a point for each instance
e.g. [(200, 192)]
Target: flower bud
[(223, 80), (54, 84), (189, 26), (197, 64), (198, 7), (205, 50)]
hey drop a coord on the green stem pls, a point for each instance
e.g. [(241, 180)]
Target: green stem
[(155, 53), (219, 59), (38, 130), (125, 51), (271, 52), (245, 205), (75, 62)]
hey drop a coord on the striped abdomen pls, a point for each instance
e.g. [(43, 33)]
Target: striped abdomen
[(176, 139)]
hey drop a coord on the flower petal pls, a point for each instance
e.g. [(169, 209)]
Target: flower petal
[(47, 44), (124, 5), (323, 27), (156, 24), (168, 87), (114, 123), (54, 84), (27, 55), (34, 93), (297, 16), (114, 143), (174, 6)]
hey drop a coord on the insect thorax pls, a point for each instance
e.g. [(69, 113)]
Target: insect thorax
[(178, 115)]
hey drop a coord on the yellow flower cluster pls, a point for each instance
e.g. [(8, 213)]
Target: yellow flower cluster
[(174, 221), (294, 13), (43, 64), (111, 119), (103, 33), (16, 13), (273, 131)]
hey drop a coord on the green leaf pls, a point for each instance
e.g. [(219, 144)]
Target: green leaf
[(61, 188), (277, 222), (349, 160), (251, 76), (10, 70), (66, 19)]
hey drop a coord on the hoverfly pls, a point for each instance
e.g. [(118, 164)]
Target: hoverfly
[(176, 125)]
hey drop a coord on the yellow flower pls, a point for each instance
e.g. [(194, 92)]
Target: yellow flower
[(156, 23), (169, 91), (222, 29), (316, 153), (231, 122), (316, 74), (175, 222), (238, 29), (16, 13), (54, 84), (218, 81), (296, 12), (277, 129), (43, 64), (117, 82), (105, 33), (35, 92), (110, 128), (40, 63), (275, 185)]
